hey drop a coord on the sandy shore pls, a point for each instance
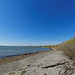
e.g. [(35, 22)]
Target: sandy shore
[(50, 62)]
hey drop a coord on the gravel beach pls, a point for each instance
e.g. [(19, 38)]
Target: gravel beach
[(50, 62)]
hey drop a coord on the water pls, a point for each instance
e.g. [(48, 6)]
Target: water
[(8, 51)]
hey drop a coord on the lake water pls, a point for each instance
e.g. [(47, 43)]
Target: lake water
[(8, 51)]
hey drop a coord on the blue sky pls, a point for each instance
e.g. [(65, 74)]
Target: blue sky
[(36, 22)]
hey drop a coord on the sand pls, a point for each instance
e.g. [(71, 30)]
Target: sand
[(50, 62)]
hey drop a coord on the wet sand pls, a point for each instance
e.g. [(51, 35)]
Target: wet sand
[(18, 57)]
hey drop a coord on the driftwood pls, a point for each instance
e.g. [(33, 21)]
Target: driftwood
[(55, 65), (68, 71)]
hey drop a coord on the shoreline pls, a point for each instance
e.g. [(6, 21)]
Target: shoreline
[(18, 57), (51, 62)]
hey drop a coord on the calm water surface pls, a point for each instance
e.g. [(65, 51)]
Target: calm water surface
[(7, 51)]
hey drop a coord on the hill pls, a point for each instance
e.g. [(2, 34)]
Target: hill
[(68, 47)]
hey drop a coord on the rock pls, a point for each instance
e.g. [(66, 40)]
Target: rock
[(29, 65)]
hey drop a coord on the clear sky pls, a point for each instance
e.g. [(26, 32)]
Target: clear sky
[(36, 22)]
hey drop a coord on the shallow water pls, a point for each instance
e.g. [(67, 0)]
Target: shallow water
[(7, 51)]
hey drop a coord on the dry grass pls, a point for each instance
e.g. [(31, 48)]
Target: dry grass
[(68, 47)]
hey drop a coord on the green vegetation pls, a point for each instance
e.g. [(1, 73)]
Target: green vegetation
[(50, 46), (23, 72), (47, 46), (11, 73), (71, 42), (68, 47), (20, 73)]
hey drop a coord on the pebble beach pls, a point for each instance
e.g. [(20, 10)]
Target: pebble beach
[(51, 62)]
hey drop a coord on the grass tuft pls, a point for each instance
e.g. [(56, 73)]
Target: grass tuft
[(11, 73), (22, 72)]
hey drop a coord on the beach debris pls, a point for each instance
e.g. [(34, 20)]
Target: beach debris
[(29, 65), (45, 74), (57, 64), (68, 71)]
